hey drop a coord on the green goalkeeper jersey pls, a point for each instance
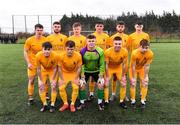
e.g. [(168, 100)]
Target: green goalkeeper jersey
[(93, 61)]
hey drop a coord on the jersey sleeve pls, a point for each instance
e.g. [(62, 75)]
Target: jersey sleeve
[(80, 61), (128, 43), (106, 56), (108, 41), (125, 55), (148, 38), (102, 64), (48, 38), (101, 61), (27, 44), (125, 44), (133, 58), (150, 59), (37, 58), (84, 41), (82, 52), (69, 38)]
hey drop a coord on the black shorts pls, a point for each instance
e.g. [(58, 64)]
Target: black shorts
[(95, 76)]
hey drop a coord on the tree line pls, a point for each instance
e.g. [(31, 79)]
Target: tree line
[(168, 22)]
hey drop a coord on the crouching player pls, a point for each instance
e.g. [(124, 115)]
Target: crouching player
[(139, 65), (46, 61), (93, 66), (69, 67), (116, 58)]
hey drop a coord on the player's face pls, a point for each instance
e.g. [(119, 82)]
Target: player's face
[(47, 52), (39, 32), (69, 51), (91, 43), (77, 30), (144, 49), (117, 45), (120, 28), (57, 28), (139, 28), (99, 27)]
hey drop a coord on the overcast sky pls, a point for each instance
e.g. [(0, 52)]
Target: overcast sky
[(91, 7)]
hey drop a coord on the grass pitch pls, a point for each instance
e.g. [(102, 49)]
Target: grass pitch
[(163, 95)]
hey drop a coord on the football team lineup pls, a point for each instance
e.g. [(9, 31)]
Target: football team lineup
[(88, 62), (162, 100)]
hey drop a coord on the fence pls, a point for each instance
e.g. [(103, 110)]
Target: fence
[(25, 24)]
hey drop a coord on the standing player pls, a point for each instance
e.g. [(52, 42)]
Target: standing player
[(120, 27), (135, 38), (32, 46), (139, 65), (101, 41), (57, 39), (93, 66), (79, 39), (116, 58), (46, 61), (69, 69), (101, 37)]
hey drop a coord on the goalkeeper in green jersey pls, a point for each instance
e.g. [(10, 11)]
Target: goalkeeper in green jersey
[(94, 66)]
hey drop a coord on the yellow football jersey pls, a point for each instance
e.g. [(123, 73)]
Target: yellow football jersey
[(141, 59), (80, 42), (70, 64), (33, 46), (123, 36), (101, 40), (58, 41), (115, 59), (46, 63), (134, 40)]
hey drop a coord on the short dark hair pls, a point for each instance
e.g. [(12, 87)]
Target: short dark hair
[(91, 36), (76, 24), (144, 42), (38, 26), (138, 22), (120, 23), (70, 44), (56, 22), (47, 45), (99, 22), (117, 38)]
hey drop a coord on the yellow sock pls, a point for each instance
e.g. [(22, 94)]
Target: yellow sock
[(91, 86), (46, 87), (43, 97), (144, 93), (75, 93), (122, 93), (30, 89), (113, 86), (63, 94), (133, 93), (106, 93), (53, 98)]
